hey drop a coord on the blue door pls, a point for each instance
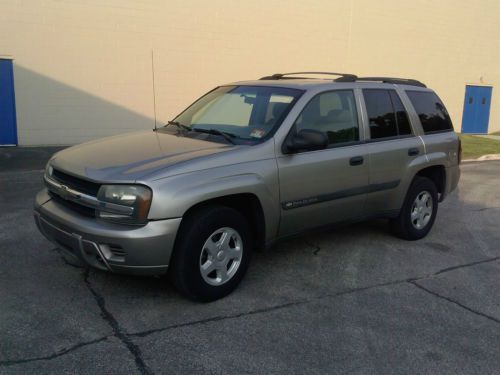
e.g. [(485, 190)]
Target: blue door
[(476, 109), (8, 131)]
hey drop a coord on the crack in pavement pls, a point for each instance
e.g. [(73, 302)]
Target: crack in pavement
[(466, 265), (52, 356), (411, 280), (134, 349), (484, 209), (118, 331), (219, 318), (65, 260), (451, 300), (267, 309), (316, 248)]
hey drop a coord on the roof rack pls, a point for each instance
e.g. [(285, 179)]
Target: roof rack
[(400, 81), (343, 77)]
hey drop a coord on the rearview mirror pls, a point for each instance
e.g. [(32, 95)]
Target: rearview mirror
[(248, 99), (306, 140)]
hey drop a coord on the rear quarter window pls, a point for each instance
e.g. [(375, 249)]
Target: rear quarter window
[(431, 111)]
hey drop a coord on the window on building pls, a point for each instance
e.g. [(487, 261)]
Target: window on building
[(332, 112), (431, 111), (386, 114)]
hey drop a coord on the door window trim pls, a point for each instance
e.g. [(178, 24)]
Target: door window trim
[(359, 118), (369, 139)]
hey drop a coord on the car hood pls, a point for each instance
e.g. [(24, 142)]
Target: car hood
[(132, 156)]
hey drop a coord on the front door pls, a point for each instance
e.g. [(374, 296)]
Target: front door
[(8, 133), (325, 186), (476, 109)]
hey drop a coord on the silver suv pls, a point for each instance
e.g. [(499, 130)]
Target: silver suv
[(245, 165)]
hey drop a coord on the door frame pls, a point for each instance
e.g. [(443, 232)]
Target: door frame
[(467, 85)]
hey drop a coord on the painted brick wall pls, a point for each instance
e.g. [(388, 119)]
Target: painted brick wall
[(83, 67)]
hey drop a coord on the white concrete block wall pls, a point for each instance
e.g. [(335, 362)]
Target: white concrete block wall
[(83, 67)]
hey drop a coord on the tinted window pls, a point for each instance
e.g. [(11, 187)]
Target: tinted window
[(334, 113), (431, 111), (402, 120), (386, 114), (381, 116)]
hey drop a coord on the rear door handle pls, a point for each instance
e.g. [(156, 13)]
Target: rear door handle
[(356, 160), (413, 151)]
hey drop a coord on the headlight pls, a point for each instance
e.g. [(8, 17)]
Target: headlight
[(134, 196)]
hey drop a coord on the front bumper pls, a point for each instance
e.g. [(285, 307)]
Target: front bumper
[(141, 250)]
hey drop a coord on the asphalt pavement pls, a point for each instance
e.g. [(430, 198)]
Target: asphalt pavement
[(353, 300)]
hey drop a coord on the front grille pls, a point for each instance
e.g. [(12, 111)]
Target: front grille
[(76, 183), (82, 210)]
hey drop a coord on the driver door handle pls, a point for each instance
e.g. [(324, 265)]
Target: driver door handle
[(356, 160)]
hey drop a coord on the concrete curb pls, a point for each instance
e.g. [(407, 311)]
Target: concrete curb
[(483, 158)]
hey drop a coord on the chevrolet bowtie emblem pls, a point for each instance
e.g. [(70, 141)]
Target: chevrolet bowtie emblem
[(64, 192)]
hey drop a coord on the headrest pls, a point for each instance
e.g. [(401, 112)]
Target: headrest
[(342, 115), (278, 109)]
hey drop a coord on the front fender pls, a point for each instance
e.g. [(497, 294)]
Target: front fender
[(173, 196)]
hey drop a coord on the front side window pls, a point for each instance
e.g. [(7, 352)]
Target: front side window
[(431, 111), (386, 114), (244, 113), (334, 113)]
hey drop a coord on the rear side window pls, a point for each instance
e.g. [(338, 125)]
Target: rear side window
[(431, 111), (402, 120), (386, 114)]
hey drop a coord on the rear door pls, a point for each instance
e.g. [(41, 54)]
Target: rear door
[(325, 186), (441, 142), (392, 147)]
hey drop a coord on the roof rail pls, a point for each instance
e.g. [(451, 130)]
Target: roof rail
[(401, 81), (343, 77)]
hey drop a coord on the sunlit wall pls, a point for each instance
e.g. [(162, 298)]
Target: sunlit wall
[(83, 68)]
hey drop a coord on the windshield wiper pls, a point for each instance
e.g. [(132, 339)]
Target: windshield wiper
[(179, 125), (227, 136)]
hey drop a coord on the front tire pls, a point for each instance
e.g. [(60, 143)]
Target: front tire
[(419, 210), (212, 253)]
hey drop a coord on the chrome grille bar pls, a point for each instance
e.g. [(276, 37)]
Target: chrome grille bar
[(84, 199)]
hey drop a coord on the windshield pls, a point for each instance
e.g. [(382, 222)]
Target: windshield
[(245, 113)]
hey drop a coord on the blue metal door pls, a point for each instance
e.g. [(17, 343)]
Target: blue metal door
[(8, 131), (476, 109)]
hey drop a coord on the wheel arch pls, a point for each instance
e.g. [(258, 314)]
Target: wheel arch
[(248, 204), (437, 174)]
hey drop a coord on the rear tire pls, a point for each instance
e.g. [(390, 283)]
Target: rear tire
[(212, 253), (419, 210)]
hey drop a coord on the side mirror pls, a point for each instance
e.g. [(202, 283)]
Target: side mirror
[(306, 140)]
